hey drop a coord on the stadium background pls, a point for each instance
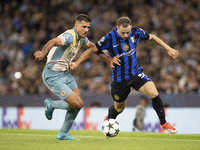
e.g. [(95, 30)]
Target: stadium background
[(26, 25)]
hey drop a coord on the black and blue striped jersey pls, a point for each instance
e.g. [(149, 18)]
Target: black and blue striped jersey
[(125, 50)]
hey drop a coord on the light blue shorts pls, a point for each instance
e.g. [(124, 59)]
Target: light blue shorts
[(59, 82)]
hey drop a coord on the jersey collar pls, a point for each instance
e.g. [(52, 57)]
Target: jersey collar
[(76, 33)]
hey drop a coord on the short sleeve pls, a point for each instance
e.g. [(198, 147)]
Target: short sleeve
[(143, 34), (103, 43), (84, 41), (67, 38)]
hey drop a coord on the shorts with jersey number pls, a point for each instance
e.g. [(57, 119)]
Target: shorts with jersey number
[(59, 82), (121, 90)]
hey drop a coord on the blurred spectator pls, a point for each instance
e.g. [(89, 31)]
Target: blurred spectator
[(95, 105), (138, 121), (26, 25)]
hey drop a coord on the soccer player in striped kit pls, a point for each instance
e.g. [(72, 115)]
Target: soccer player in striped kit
[(121, 44), (56, 76)]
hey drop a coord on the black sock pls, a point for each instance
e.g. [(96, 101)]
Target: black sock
[(159, 108), (112, 112)]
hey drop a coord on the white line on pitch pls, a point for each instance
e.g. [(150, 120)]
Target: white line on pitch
[(22, 134)]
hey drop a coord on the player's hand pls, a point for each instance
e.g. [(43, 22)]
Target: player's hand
[(73, 65), (39, 55), (173, 53), (115, 61)]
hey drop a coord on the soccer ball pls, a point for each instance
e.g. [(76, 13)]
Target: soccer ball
[(110, 128)]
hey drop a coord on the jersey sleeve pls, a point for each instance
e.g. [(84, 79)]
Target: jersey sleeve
[(84, 41), (67, 38), (143, 35), (103, 43)]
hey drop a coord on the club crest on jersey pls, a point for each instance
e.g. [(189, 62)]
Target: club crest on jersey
[(126, 47), (116, 97), (62, 93), (132, 39)]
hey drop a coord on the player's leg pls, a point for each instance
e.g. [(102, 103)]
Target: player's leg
[(116, 109), (65, 87), (120, 106), (74, 99), (120, 92), (69, 99), (75, 103), (61, 83), (50, 80), (66, 126), (150, 90), (70, 116)]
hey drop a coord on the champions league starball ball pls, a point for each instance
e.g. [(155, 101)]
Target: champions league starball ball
[(110, 128)]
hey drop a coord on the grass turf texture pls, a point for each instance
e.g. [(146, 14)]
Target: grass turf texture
[(19, 139)]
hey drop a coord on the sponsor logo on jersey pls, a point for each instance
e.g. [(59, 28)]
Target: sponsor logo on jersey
[(115, 45), (129, 53)]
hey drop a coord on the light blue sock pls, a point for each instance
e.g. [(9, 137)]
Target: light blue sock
[(69, 119), (61, 104)]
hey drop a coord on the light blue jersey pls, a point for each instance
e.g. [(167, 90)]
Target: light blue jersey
[(62, 55), (56, 75)]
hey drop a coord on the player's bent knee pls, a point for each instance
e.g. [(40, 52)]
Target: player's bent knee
[(120, 110), (78, 105), (75, 101), (153, 95)]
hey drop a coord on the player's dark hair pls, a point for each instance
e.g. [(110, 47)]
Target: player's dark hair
[(82, 17), (124, 22)]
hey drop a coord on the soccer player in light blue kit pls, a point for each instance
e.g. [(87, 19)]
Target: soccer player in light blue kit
[(56, 76)]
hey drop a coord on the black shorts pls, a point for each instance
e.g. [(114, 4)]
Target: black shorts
[(121, 90)]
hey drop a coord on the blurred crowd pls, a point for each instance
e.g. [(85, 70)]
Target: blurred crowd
[(26, 25)]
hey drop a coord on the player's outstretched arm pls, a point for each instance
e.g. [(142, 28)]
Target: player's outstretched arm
[(54, 42), (89, 52), (84, 56), (172, 52), (101, 54), (104, 56)]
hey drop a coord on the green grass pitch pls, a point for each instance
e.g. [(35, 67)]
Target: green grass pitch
[(20, 139)]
